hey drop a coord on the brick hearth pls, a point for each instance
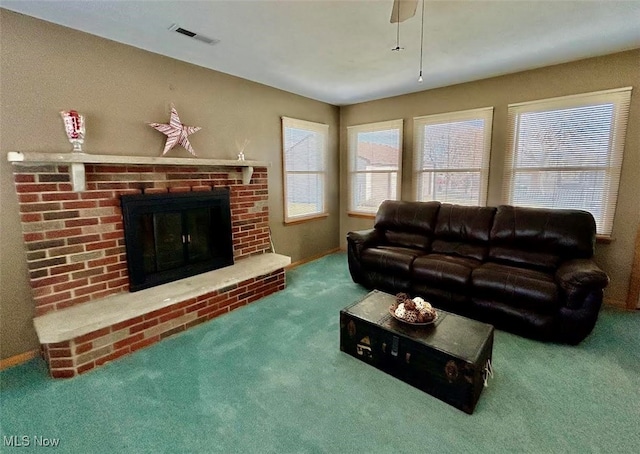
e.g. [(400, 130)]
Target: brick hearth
[(76, 251), (82, 337)]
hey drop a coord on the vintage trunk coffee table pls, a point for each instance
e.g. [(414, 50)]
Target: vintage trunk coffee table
[(449, 359)]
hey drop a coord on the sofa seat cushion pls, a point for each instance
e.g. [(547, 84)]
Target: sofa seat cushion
[(444, 271), (517, 287), (390, 259)]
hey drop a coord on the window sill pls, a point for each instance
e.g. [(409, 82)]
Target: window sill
[(354, 214), (314, 217), (604, 239)]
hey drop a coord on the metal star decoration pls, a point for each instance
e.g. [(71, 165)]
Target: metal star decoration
[(176, 132)]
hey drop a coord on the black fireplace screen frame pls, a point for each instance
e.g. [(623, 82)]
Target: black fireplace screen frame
[(172, 236)]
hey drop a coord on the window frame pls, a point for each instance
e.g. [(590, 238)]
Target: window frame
[(318, 128), (620, 98), (419, 123), (352, 147)]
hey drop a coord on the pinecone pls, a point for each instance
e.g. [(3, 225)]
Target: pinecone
[(400, 297), (409, 305)]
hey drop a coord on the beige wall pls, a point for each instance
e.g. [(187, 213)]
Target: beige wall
[(612, 71), (45, 68)]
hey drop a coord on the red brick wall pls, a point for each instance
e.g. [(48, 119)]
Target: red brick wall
[(75, 240)]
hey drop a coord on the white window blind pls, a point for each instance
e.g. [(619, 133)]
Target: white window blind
[(451, 156), (304, 162), (567, 153), (375, 156)]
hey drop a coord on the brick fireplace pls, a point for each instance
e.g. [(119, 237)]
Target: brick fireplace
[(77, 265)]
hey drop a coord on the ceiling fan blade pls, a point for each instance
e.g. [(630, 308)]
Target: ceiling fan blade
[(403, 10)]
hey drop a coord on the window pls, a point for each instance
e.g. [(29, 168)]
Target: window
[(451, 156), (304, 160), (567, 153), (375, 151)]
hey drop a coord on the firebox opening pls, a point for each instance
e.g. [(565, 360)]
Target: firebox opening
[(173, 236)]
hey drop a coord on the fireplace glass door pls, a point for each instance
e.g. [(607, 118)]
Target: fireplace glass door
[(199, 246), (171, 236), (160, 236)]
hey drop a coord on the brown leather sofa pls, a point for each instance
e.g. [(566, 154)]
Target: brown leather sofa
[(526, 270)]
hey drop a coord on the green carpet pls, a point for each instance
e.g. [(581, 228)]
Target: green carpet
[(270, 378)]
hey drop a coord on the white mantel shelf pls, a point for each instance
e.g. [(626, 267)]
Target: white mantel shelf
[(77, 161)]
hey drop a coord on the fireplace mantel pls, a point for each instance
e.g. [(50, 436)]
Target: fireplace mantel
[(76, 257), (77, 161)]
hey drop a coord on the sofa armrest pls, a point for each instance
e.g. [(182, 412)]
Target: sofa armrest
[(581, 273), (362, 239), (358, 241), (577, 278)]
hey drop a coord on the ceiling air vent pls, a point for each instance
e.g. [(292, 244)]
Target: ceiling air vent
[(205, 39)]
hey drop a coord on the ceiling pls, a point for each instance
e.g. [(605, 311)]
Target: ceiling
[(340, 52)]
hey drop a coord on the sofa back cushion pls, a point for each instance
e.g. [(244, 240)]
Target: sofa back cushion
[(463, 231), (541, 237), (407, 224)]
